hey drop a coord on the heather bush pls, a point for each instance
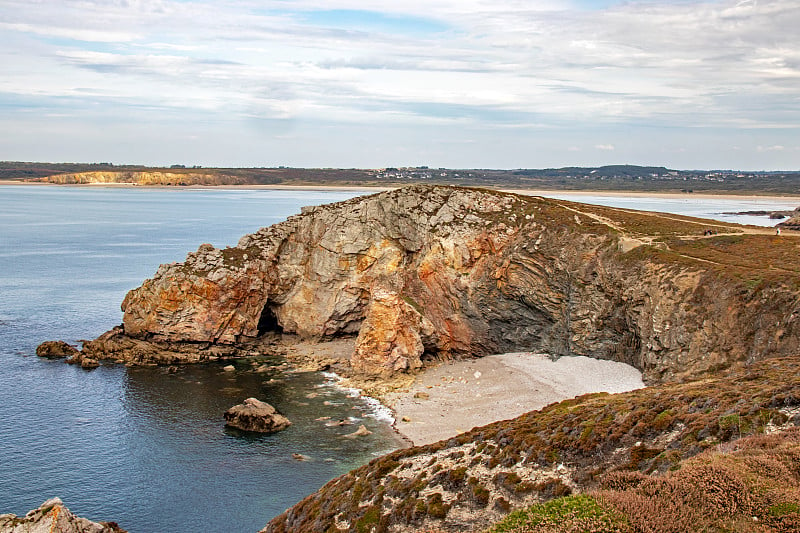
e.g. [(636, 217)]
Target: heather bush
[(755, 487)]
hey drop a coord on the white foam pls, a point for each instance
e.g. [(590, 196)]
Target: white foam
[(375, 409)]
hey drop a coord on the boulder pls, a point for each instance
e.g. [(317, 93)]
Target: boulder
[(51, 516), (89, 363), (255, 415), (56, 349), (362, 431)]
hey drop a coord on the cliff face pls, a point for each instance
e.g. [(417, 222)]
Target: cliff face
[(146, 178), (450, 271)]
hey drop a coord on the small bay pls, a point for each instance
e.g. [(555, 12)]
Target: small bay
[(141, 446)]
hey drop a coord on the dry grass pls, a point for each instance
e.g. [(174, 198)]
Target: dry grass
[(752, 485)]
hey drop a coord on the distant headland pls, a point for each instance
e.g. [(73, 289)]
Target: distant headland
[(631, 178)]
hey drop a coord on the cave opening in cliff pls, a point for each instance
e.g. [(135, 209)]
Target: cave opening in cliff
[(268, 322)]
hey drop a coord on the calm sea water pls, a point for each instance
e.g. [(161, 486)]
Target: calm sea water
[(137, 445)]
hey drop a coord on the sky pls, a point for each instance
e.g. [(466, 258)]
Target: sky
[(687, 84)]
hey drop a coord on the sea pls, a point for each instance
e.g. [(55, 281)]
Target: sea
[(141, 446)]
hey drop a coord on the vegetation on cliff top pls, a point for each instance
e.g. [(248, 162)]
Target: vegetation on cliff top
[(749, 485), (472, 480)]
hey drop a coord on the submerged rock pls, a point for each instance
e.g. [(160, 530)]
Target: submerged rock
[(52, 516), (362, 431), (56, 349), (255, 415)]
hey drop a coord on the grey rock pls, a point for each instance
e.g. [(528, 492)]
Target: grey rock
[(257, 416)]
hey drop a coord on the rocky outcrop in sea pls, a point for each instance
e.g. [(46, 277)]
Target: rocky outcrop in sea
[(257, 416), (428, 271)]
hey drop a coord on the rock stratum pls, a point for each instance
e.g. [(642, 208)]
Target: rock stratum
[(429, 271)]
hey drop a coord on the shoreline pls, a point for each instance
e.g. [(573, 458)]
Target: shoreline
[(447, 398), (793, 198)]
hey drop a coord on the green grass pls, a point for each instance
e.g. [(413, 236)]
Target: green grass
[(569, 514)]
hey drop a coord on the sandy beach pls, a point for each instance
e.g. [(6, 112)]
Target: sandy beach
[(452, 397), (456, 396)]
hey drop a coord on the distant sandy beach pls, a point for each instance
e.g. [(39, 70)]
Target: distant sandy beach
[(456, 396)]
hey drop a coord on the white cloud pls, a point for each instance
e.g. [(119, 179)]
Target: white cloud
[(721, 65), (773, 148)]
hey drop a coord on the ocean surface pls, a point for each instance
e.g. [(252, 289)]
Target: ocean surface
[(138, 445)]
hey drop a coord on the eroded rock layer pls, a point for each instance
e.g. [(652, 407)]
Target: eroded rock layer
[(451, 271)]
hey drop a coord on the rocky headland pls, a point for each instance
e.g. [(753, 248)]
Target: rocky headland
[(707, 311), (792, 222), (443, 272)]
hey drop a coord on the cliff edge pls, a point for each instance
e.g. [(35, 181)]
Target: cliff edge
[(430, 271)]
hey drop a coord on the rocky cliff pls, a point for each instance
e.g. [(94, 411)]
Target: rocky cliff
[(446, 272), (147, 178)]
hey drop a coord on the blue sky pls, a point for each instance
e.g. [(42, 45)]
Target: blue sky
[(363, 83)]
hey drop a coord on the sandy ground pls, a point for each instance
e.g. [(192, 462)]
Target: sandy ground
[(457, 396)]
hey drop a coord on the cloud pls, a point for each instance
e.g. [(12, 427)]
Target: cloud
[(774, 148), (601, 66)]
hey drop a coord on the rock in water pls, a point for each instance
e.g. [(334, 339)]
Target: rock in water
[(255, 415), (53, 516), (55, 349), (362, 431)]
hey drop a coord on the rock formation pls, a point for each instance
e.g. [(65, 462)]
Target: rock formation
[(446, 272), (255, 415), (56, 349), (53, 516), (793, 222)]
